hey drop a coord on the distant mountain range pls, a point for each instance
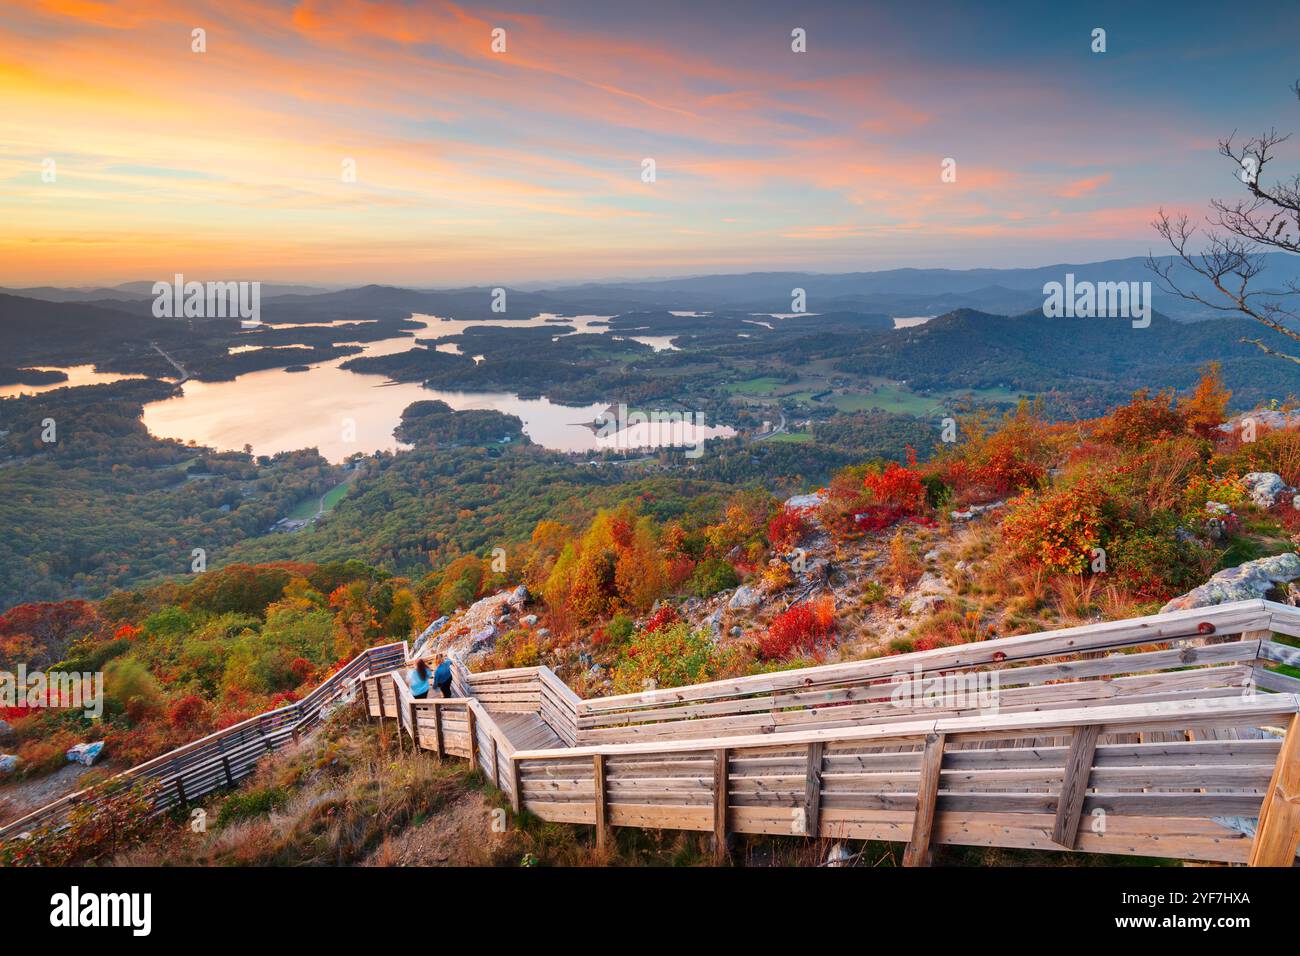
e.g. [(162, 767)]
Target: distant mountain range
[(895, 292)]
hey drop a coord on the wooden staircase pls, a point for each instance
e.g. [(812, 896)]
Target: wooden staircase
[(1154, 736)]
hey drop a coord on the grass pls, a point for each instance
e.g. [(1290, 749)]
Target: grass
[(308, 507), (797, 438), (762, 385)]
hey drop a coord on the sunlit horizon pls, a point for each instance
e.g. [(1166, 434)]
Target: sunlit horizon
[(525, 166)]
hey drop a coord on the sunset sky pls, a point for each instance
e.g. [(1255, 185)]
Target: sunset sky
[(525, 166)]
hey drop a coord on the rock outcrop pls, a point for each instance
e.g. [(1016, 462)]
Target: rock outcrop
[(86, 754), (1266, 488), (1254, 579)]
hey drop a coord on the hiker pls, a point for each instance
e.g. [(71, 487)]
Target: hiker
[(442, 675), (418, 679)]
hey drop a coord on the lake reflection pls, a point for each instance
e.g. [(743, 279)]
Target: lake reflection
[(341, 413), (77, 375)]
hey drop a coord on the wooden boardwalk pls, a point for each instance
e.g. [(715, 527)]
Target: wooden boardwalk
[(528, 732), (1151, 737), (1145, 737)]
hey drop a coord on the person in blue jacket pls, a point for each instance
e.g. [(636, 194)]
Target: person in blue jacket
[(442, 675), (418, 679)]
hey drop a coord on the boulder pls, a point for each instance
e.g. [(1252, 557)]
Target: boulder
[(745, 596), (86, 754), (518, 597), (814, 500), (1265, 487), (5, 729), (1217, 508), (1248, 581), (528, 620), (926, 603), (714, 622), (482, 639), (839, 855), (8, 763), (1262, 417), (975, 511)]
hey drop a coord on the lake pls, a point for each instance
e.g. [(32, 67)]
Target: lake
[(77, 375), (341, 413)]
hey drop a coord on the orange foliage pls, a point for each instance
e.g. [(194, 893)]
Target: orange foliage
[(799, 629)]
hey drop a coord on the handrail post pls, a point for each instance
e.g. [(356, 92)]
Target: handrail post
[(813, 790), (602, 820), (927, 794), (516, 797), (720, 805), (437, 730), (473, 736), (1278, 832), (415, 727), (1074, 787)]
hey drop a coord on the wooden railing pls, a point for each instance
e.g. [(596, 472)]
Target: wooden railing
[(452, 726), (1157, 736), (1078, 779), (1032, 671), (224, 758), (1154, 736)]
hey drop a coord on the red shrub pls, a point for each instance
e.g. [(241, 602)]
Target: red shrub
[(897, 487), (666, 615), (799, 629), (787, 528), (189, 712)]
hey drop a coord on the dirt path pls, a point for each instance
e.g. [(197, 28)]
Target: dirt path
[(460, 834), (23, 796)]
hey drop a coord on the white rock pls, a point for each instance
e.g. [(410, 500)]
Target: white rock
[(1254, 579), (86, 754), (1265, 488), (814, 500), (839, 855), (745, 596), (8, 763)]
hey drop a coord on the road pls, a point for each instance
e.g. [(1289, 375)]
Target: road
[(175, 364), (775, 431)]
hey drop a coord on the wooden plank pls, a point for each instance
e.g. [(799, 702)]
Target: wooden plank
[(1278, 832), (602, 817), (437, 732), (1280, 653), (1078, 770), (918, 847), (1273, 681), (720, 805), (516, 791), (1178, 625), (812, 799), (473, 737), (1224, 711)]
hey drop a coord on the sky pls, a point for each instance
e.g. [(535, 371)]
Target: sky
[(476, 166)]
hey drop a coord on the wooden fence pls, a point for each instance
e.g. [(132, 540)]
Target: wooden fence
[(224, 758), (1174, 735), (1160, 736)]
